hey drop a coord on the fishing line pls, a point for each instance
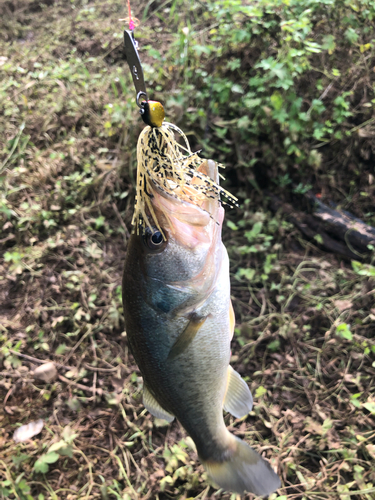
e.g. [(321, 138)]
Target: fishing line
[(131, 22)]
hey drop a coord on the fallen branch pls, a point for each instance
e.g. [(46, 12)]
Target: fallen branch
[(314, 229), (59, 365), (40, 361), (81, 386), (343, 225)]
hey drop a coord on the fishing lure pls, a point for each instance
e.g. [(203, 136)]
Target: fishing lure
[(162, 161)]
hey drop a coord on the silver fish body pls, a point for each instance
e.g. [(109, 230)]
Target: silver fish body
[(179, 323)]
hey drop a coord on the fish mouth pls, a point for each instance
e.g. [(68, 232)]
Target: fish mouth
[(187, 214), (176, 185), (194, 222)]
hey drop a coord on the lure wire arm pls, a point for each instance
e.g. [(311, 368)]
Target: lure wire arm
[(152, 112), (135, 66)]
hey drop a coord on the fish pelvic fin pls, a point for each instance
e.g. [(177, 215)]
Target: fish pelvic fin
[(154, 407), (238, 399), (244, 471)]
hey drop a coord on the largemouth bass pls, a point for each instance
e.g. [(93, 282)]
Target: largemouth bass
[(179, 317)]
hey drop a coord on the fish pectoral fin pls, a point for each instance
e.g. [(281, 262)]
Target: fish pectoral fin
[(154, 407), (187, 336), (238, 399), (232, 320)]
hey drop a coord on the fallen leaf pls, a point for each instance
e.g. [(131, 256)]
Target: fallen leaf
[(160, 422), (46, 372), (343, 304), (28, 431), (313, 426), (370, 406), (371, 449), (118, 383)]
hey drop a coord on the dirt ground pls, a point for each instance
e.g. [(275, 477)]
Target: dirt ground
[(305, 319)]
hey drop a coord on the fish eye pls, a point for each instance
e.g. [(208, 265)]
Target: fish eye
[(154, 240), (157, 238)]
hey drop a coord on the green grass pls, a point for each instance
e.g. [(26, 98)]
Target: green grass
[(304, 337)]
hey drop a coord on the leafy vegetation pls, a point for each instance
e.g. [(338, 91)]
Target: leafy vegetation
[(282, 92)]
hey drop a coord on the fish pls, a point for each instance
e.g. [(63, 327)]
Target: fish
[(179, 318)]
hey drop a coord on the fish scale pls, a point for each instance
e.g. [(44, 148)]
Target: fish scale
[(203, 356)]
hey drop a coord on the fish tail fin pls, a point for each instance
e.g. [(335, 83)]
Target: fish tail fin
[(243, 470)]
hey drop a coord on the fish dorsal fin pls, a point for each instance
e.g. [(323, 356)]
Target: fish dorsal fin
[(238, 399), (187, 336), (153, 406)]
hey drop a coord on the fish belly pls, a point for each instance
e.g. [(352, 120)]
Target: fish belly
[(200, 373), (192, 385)]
